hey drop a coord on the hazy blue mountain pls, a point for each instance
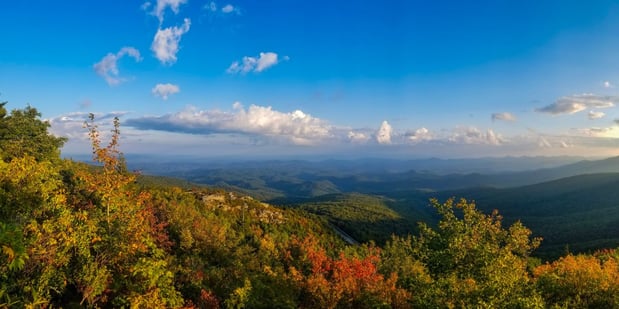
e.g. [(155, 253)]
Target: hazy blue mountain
[(578, 213), (275, 179), (573, 205)]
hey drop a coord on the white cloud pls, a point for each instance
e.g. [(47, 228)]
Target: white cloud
[(165, 90), (296, 127), (608, 132), (419, 135), (165, 44), (596, 115), (263, 126), (211, 6), (576, 103), (503, 116), (265, 61), (255, 64), (161, 5), (71, 125), (383, 135), (472, 135), (108, 66), (228, 8), (565, 144), (607, 84), (357, 137), (146, 5)]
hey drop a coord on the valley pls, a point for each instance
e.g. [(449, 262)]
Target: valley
[(573, 204)]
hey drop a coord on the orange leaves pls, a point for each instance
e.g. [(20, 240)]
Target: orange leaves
[(347, 279), (580, 281), (208, 300)]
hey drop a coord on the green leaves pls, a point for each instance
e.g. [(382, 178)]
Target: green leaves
[(13, 254), (23, 133), (471, 259)]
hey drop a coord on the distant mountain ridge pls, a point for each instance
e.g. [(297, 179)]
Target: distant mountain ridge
[(572, 206), (576, 213), (276, 179)]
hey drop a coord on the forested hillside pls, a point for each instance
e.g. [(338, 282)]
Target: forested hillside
[(79, 235), (577, 214)]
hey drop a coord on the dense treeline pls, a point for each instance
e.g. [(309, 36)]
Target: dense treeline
[(74, 235), (365, 218)]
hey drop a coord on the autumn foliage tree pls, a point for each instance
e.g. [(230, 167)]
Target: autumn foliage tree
[(346, 281), (74, 234), (581, 281), (473, 261), (126, 263)]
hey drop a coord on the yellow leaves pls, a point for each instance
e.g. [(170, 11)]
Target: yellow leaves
[(240, 296), (266, 243), (581, 281), (186, 239), (269, 271), (296, 275), (29, 186), (8, 251)]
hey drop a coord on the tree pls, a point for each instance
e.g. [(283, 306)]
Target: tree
[(126, 264), (346, 281), (581, 281), (22, 132), (474, 261)]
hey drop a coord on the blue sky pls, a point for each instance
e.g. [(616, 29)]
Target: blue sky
[(329, 78)]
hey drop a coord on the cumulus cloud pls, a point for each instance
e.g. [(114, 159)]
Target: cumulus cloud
[(357, 137), (503, 116), (254, 64), (165, 90), (576, 103), (165, 44), (296, 127), (596, 115), (226, 9), (161, 5), (472, 135), (71, 125), (108, 66), (419, 135), (383, 135)]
